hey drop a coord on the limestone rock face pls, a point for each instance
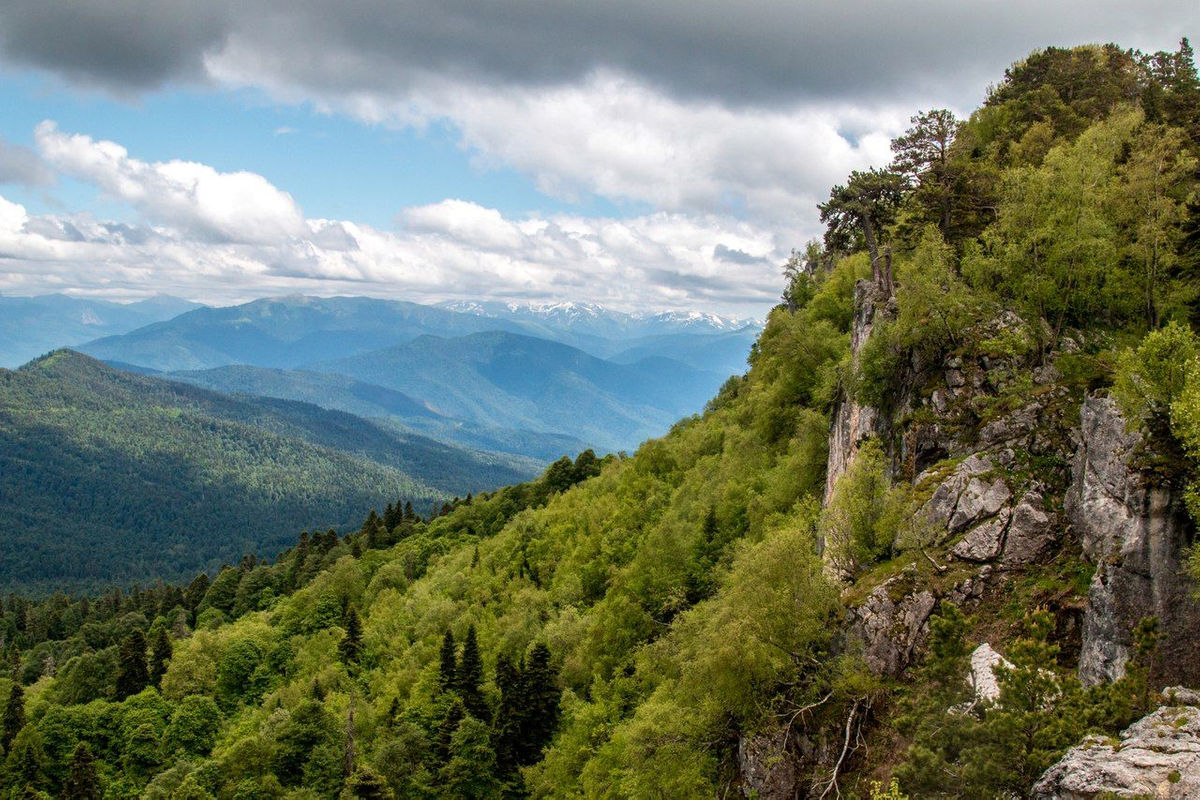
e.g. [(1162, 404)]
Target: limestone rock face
[(1158, 756), (767, 768), (890, 629), (852, 422), (1136, 534), (984, 660)]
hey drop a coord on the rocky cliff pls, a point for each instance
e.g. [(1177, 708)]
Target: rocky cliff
[(1136, 533)]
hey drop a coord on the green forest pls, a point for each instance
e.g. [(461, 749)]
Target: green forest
[(622, 627), (109, 477)]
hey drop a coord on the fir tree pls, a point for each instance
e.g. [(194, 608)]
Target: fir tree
[(14, 715), (82, 783), (132, 675), (448, 668), (470, 678), (160, 656), (542, 702), (351, 645)]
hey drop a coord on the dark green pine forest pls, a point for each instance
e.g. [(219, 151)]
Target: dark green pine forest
[(641, 626)]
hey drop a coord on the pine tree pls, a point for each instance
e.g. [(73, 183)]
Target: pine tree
[(542, 701), (132, 675), (448, 668), (470, 678), (510, 716), (82, 783), (14, 715), (160, 656), (351, 645)]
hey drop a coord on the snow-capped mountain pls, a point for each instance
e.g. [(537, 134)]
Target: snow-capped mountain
[(590, 319)]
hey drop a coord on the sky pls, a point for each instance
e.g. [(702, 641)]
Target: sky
[(641, 154)]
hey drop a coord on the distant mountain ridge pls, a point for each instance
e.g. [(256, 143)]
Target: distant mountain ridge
[(422, 352), (601, 321), (32, 326)]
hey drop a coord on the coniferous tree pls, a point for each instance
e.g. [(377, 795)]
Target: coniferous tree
[(351, 645), (160, 656), (470, 678), (82, 783), (542, 701), (132, 675), (448, 668), (14, 715)]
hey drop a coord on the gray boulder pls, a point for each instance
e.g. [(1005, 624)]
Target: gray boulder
[(1158, 757)]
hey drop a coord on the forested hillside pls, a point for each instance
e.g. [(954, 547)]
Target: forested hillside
[(111, 477), (972, 419)]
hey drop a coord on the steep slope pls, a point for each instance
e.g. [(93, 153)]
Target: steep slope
[(31, 326), (109, 476), (511, 381)]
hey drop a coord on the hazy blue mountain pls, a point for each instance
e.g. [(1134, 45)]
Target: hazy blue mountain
[(512, 381), (722, 352), (112, 476), (610, 379), (31, 326), (330, 390), (284, 332)]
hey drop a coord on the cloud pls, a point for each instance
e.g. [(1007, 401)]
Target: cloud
[(21, 165), (615, 138), (449, 250), (221, 206), (758, 52)]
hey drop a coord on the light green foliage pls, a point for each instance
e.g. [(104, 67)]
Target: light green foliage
[(889, 792), (1053, 248), (854, 526), (1150, 379)]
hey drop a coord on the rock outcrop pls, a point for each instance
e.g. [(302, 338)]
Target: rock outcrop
[(982, 678), (853, 422), (1156, 757), (767, 768), (1136, 534)]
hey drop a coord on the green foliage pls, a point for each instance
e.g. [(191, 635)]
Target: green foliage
[(82, 782), (1150, 379), (193, 728), (853, 525)]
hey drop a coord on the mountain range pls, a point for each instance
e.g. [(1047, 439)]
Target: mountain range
[(528, 380), (31, 326)]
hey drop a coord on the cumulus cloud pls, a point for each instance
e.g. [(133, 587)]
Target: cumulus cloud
[(223, 206), (449, 250), (728, 120)]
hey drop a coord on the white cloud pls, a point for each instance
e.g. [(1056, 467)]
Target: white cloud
[(222, 206), (448, 250)]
